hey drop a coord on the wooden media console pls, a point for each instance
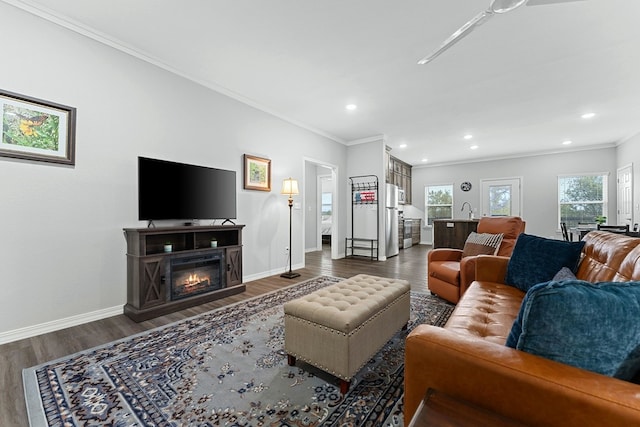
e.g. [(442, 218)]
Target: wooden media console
[(204, 264)]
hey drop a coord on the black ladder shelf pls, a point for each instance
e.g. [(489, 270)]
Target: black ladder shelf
[(364, 195)]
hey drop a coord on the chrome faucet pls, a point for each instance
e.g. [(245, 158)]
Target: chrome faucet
[(470, 209)]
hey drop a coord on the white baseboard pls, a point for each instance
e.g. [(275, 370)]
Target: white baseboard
[(56, 325), (262, 275)]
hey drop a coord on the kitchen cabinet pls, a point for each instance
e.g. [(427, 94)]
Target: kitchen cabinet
[(414, 224), (415, 230), (399, 173)]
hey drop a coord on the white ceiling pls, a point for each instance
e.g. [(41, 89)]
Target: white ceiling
[(518, 84)]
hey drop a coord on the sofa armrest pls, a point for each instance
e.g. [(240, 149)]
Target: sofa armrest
[(467, 272), (444, 254), (518, 385), (491, 268)]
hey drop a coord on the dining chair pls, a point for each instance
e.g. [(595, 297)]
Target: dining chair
[(619, 229)]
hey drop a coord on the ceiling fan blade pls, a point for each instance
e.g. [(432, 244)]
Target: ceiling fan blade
[(545, 2), (504, 6), (479, 19)]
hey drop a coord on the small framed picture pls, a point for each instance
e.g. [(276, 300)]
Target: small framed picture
[(257, 173), (34, 129)]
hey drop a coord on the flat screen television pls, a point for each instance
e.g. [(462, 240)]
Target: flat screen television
[(179, 191)]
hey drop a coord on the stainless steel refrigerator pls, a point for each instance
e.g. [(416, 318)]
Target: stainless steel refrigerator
[(391, 220)]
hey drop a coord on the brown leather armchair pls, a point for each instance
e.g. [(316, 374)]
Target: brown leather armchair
[(449, 274)]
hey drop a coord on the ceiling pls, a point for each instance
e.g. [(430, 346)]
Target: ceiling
[(519, 83)]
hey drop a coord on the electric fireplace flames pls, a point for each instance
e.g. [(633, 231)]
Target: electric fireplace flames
[(195, 275)]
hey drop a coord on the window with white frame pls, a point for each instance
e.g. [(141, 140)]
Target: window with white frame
[(438, 202), (582, 198)]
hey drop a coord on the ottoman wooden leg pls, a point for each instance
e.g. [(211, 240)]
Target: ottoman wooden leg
[(291, 360), (344, 386)]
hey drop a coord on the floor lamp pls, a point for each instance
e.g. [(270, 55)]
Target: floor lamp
[(289, 188)]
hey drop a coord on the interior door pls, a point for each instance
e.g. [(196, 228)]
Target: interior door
[(625, 196), (501, 197)]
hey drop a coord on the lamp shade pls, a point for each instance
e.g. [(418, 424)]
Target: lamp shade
[(290, 187)]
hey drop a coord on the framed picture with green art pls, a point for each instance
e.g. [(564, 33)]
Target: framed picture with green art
[(33, 129), (257, 173)]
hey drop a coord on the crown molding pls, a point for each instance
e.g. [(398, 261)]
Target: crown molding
[(91, 33), (382, 137), (519, 156)]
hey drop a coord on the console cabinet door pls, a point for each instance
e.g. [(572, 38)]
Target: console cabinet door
[(234, 265), (150, 274)]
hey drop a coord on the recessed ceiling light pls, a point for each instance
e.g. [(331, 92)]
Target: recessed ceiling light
[(588, 115), (402, 145), (351, 107), (468, 136), (567, 142), (425, 160), (474, 147)]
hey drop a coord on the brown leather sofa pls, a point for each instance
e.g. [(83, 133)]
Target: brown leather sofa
[(467, 359), (450, 274)]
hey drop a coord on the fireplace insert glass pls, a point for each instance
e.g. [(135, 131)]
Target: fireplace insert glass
[(196, 274)]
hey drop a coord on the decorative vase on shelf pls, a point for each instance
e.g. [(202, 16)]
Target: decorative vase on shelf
[(168, 247), (214, 243)]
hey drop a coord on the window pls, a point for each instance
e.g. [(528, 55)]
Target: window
[(326, 204), (500, 200), (582, 198), (438, 202)]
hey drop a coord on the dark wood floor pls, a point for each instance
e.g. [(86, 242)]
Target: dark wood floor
[(410, 265)]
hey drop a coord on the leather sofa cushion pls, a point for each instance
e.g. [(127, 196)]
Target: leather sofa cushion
[(448, 271), (509, 226), (593, 326), (486, 311), (609, 257)]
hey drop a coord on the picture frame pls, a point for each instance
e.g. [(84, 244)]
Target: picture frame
[(38, 130), (257, 173)]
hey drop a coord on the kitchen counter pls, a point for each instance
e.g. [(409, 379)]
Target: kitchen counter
[(452, 233)]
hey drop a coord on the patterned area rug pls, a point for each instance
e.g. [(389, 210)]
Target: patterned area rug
[(224, 367)]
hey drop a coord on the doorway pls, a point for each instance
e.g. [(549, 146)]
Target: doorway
[(501, 197), (321, 206), (325, 211), (625, 196)]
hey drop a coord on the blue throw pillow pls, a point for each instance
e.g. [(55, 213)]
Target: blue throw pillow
[(592, 326), (537, 259)]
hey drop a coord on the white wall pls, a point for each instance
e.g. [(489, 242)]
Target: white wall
[(311, 207), (62, 251), (539, 183), (367, 159)]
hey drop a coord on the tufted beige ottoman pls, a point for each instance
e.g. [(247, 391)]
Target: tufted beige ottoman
[(340, 327)]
